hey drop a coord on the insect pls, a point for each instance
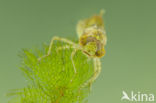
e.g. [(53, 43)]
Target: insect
[(92, 40)]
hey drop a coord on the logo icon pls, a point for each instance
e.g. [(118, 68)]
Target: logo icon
[(140, 97), (125, 96)]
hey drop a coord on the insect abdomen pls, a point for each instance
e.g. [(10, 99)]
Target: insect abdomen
[(92, 21)]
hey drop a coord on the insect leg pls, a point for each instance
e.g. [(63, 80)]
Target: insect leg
[(51, 43), (66, 47), (97, 70), (72, 59), (72, 56), (63, 47)]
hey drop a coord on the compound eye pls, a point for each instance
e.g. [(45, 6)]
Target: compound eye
[(100, 53)]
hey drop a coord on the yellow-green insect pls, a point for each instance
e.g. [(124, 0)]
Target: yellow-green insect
[(92, 40)]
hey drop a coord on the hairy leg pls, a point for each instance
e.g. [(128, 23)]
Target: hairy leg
[(66, 47), (72, 55), (51, 43), (97, 70), (72, 59), (63, 47)]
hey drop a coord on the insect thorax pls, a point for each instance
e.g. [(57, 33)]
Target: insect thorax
[(93, 41)]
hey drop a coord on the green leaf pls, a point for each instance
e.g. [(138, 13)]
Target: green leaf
[(49, 81)]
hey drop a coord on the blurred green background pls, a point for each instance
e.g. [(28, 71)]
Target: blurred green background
[(130, 61)]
